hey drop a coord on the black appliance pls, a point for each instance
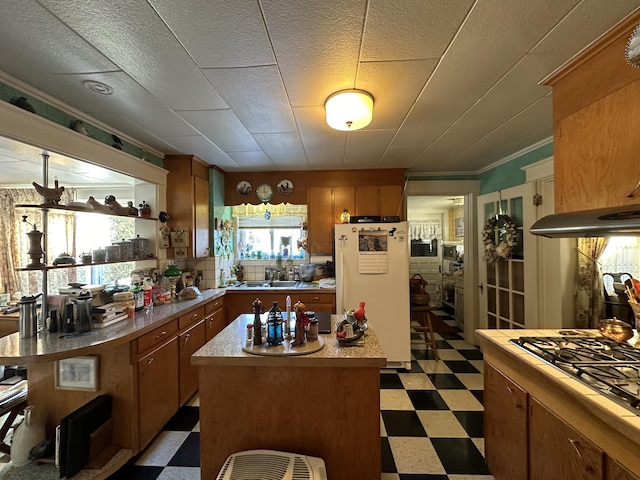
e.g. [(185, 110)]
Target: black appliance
[(450, 252), (606, 366), (424, 248), (365, 219)]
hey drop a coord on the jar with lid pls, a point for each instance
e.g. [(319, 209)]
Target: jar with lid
[(312, 331)]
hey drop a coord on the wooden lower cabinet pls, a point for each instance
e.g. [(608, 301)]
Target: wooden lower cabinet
[(614, 471), (190, 341), (158, 389), (241, 302), (556, 450), (505, 426)]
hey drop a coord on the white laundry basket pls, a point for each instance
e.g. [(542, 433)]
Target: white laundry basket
[(272, 465)]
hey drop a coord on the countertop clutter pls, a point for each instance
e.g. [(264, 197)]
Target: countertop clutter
[(538, 416)]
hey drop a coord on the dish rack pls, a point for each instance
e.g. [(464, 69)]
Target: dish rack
[(272, 465)]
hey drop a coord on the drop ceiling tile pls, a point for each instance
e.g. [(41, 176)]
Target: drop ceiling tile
[(222, 128), (470, 67), (142, 45), (366, 147), (284, 149), (395, 86), (330, 32), (251, 161), (314, 131), (426, 122), (32, 44), (399, 157), (204, 149), (257, 97), (427, 27), (326, 158), (219, 33)]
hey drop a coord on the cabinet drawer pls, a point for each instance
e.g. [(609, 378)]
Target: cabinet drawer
[(213, 305), (157, 336), (190, 318), (215, 323), (316, 298)]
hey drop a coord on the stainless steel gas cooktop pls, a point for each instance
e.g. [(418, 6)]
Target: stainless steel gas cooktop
[(608, 367)]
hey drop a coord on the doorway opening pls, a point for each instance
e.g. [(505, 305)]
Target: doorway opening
[(436, 233)]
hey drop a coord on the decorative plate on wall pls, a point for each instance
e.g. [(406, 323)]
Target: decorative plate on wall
[(285, 187), (244, 188)]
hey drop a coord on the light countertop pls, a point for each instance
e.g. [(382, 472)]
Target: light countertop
[(226, 349), (45, 346)]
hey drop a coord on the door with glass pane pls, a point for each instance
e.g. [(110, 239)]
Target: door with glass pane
[(507, 289)]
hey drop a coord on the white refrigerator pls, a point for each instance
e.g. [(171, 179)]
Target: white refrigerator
[(372, 266)]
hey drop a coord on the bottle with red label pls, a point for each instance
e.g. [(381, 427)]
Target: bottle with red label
[(147, 290)]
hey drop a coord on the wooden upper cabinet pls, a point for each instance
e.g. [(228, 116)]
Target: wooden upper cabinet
[(320, 221), (343, 197), (367, 200), (596, 104), (392, 201), (188, 201)]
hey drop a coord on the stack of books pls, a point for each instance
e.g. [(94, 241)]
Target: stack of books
[(108, 314)]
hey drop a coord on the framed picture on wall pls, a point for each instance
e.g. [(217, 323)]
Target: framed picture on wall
[(458, 227), (77, 373)]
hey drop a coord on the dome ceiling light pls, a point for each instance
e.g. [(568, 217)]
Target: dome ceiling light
[(349, 109)]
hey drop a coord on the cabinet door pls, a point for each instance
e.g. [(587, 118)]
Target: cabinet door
[(596, 153), (505, 426), (343, 197), (190, 341), (367, 200), (157, 379), (615, 471), (320, 214), (391, 201), (556, 450), (201, 217), (215, 323)]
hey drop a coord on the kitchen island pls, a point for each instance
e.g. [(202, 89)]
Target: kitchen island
[(325, 404), (541, 423)]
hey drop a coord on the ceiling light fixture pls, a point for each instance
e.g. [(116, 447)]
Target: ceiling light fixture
[(349, 109), (98, 87)]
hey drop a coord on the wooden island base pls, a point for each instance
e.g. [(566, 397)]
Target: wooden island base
[(330, 413)]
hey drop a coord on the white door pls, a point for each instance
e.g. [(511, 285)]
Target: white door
[(507, 287)]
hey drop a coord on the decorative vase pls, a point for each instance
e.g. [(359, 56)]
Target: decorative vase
[(26, 435)]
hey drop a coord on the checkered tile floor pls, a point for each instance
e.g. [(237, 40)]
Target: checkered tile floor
[(431, 421)]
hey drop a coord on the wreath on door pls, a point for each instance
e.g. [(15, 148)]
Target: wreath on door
[(495, 250)]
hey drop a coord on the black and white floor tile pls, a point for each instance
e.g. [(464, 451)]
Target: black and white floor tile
[(431, 421)]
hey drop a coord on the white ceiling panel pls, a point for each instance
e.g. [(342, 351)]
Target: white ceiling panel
[(395, 87), (230, 35), (411, 29), (242, 84), (132, 36), (223, 128), (257, 96)]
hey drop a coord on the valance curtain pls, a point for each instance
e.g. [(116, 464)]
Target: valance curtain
[(622, 259), (16, 243), (589, 293), (424, 229)]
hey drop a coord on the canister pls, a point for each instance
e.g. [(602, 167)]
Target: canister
[(112, 253), (99, 255), (126, 250), (140, 247)]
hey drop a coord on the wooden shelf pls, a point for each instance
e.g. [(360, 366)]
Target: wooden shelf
[(72, 208), (80, 264)]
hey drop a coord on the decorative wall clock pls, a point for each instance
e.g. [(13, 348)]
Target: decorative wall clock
[(285, 187), (244, 188), (264, 192)]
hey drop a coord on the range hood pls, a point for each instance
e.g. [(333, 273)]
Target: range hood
[(602, 222)]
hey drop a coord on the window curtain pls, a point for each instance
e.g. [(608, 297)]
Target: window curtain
[(589, 293), (622, 258), (424, 230), (13, 232)]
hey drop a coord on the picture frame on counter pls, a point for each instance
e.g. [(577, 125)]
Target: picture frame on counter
[(77, 373)]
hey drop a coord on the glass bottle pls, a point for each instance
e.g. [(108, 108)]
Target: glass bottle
[(257, 323)]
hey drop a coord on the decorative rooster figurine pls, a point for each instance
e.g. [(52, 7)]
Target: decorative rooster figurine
[(51, 195), (358, 314)]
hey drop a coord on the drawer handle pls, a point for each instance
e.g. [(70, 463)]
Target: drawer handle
[(576, 447), (186, 338), (161, 335), (315, 299), (632, 192), (150, 361)]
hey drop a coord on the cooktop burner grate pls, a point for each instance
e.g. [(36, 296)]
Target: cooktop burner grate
[(607, 366)]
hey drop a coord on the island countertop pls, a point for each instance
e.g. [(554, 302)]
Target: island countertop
[(226, 349), (46, 347)]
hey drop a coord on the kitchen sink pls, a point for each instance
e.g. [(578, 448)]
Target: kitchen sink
[(274, 284)]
